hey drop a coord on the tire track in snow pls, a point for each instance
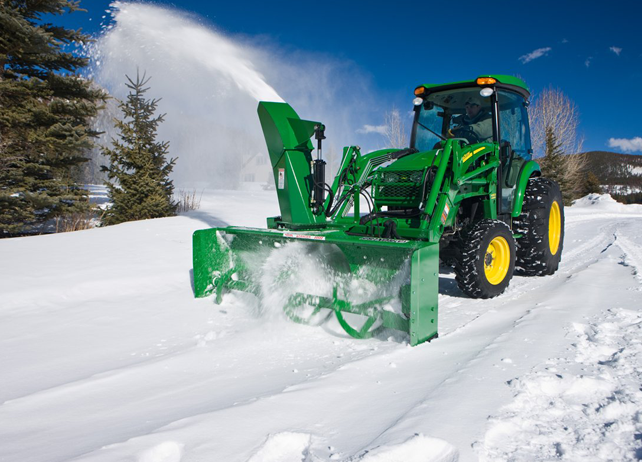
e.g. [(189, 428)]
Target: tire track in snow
[(435, 401), (522, 288), (577, 259), (632, 255), (190, 393)]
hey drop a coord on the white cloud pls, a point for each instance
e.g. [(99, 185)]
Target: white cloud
[(564, 40), (373, 129), (534, 55), (626, 145), (616, 50), (587, 63)]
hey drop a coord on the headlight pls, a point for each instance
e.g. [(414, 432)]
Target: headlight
[(415, 177)]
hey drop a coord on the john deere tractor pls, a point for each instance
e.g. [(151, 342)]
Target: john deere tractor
[(464, 194)]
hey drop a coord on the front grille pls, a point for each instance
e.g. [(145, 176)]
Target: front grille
[(398, 188)]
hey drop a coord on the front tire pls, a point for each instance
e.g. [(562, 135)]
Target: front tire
[(541, 225), (485, 263)]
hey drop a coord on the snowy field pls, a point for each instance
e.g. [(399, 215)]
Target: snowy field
[(106, 356)]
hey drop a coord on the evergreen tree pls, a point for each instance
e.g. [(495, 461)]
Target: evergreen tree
[(553, 164), (591, 184), (138, 162), (45, 111)]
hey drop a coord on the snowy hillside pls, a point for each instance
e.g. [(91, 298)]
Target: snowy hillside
[(106, 356)]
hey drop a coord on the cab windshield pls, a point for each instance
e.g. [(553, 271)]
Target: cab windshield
[(459, 113)]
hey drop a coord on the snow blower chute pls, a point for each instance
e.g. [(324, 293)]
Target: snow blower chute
[(368, 247)]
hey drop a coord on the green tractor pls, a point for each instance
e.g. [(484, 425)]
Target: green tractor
[(465, 194)]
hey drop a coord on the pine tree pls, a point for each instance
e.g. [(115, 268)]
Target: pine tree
[(45, 112), (138, 162), (591, 185), (553, 164)]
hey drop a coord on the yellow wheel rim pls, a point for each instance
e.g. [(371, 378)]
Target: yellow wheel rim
[(554, 228), (497, 260)]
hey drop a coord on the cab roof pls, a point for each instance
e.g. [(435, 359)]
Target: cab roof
[(503, 81)]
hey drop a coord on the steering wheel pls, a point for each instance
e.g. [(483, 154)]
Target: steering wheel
[(464, 131)]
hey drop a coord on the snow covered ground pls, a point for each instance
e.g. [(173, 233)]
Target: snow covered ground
[(106, 356)]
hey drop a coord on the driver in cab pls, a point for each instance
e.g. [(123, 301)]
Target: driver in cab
[(475, 125)]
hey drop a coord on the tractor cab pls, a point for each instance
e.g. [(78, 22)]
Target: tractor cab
[(490, 109)]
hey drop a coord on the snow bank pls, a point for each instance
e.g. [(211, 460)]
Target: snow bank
[(603, 203)]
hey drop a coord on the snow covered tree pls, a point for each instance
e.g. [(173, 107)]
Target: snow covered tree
[(139, 164), (45, 114)]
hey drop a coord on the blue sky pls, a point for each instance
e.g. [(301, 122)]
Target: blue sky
[(591, 50)]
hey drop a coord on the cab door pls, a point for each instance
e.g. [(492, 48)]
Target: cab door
[(515, 143)]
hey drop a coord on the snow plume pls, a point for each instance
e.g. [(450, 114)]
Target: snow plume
[(527, 58), (209, 85)]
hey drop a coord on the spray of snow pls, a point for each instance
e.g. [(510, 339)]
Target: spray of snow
[(316, 270), (209, 85), (295, 267)]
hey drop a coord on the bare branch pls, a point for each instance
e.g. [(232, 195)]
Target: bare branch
[(552, 108), (395, 131)]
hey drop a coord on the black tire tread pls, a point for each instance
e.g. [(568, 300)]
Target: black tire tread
[(533, 254), (470, 252)]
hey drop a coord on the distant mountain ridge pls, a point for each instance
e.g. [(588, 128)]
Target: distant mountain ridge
[(618, 173)]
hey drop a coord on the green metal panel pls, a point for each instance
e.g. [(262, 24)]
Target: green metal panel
[(211, 259), (530, 168), (288, 142), (424, 294)]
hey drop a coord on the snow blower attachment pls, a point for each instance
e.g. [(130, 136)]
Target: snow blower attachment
[(465, 193)]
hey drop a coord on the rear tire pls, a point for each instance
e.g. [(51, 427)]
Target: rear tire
[(486, 259), (541, 225)]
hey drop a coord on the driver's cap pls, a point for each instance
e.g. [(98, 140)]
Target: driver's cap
[(473, 100)]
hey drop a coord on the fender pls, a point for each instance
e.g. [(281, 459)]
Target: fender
[(528, 170)]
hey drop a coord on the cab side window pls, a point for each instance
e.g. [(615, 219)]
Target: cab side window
[(513, 119)]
